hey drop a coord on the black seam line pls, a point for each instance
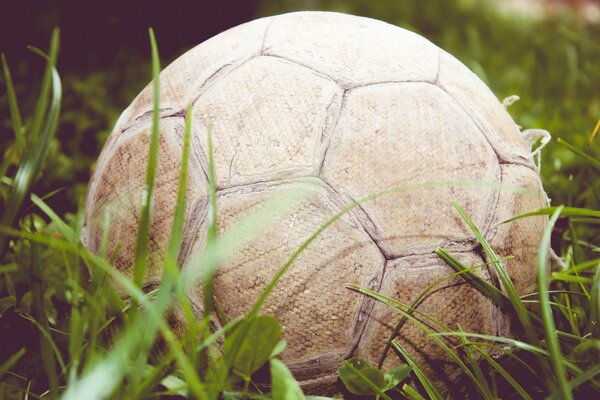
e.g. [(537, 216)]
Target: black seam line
[(341, 200), (465, 242), (439, 66), (367, 304), (294, 62), (488, 225), (269, 182), (264, 41), (119, 136), (192, 226), (211, 80), (334, 127)]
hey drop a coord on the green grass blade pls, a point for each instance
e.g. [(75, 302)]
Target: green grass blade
[(463, 270), (486, 392), (402, 308), (487, 289), (505, 374), (556, 356), (566, 211), (30, 167), (143, 235), (591, 160), (12, 360), (511, 291), (580, 379), (595, 305), (411, 393), (429, 386), (13, 106), (65, 230), (39, 313), (179, 214), (42, 103), (77, 321), (211, 240)]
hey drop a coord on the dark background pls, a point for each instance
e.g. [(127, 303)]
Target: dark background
[(93, 33)]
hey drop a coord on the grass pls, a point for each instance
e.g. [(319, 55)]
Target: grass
[(81, 339)]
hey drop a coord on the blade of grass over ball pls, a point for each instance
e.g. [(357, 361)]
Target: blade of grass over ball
[(514, 343), (507, 284), (594, 162), (595, 305), (487, 289), (429, 386), (552, 343), (143, 234), (211, 240), (403, 309), (30, 167), (418, 301), (566, 212), (175, 238), (13, 106)]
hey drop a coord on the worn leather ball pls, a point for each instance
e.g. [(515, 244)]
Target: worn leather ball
[(343, 106)]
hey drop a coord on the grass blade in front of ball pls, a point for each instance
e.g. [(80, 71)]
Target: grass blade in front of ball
[(405, 310), (552, 343), (429, 386), (143, 233)]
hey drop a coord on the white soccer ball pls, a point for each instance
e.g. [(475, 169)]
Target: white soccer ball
[(345, 106)]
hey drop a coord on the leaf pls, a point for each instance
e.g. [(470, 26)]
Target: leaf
[(6, 303), (411, 393), (5, 366), (587, 352), (261, 336), (395, 375), (279, 348), (283, 384), (361, 378)]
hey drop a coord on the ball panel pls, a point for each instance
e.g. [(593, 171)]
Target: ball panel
[(452, 302), (520, 238), (267, 118), (406, 134), (352, 50), (487, 112), (181, 80), (116, 191), (320, 317)]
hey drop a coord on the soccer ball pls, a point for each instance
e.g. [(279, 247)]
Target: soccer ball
[(343, 106)]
